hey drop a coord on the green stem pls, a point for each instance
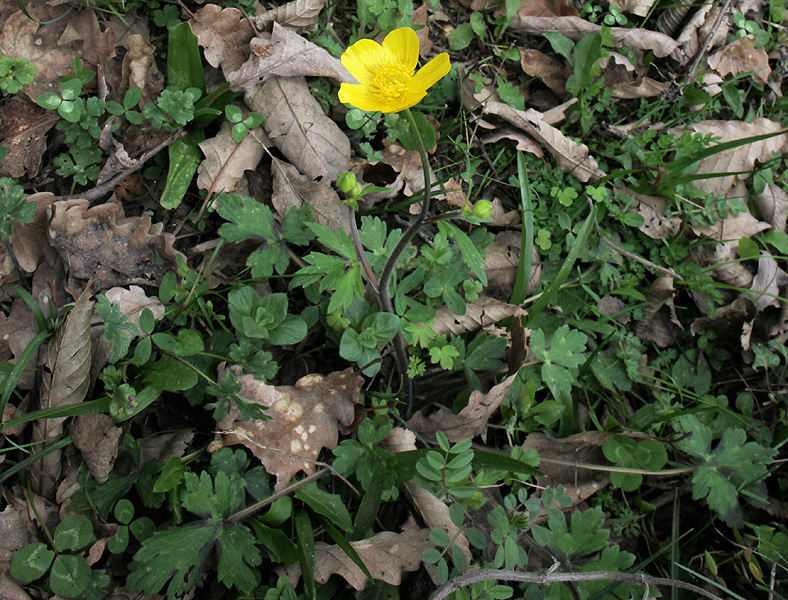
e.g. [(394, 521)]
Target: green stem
[(520, 290), (383, 291)]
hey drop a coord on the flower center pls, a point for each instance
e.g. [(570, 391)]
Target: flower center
[(391, 82)]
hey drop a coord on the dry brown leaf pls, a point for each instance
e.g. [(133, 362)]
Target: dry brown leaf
[(562, 460), (741, 158), (96, 437), (741, 56), (286, 54), (576, 28), (10, 590), (16, 531), (420, 18), (305, 418), (767, 282), (552, 71), (524, 143), (642, 88), (502, 261), (469, 422), (408, 164), (99, 243), (653, 209), (296, 123), (640, 8), (660, 323), (224, 34), (386, 555), (729, 321), (722, 257), (133, 301), (610, 306), (742, 225), (64, 382), (226, 160), (434, 511), (484, 312), (292, 189), (165, 445), (139, 68), (547, 8), (24, 131), (30, 242), (298, 14), (772, 205), (702, 28)]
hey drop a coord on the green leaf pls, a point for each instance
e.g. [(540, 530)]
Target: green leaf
[(124, 511), (329, 505), (73, 533), (31, 562), (49, 100), (171, 475), (470, 253), (248, 218), (461, 37), (426, 131), (70, 576), (185, 156), (291, 330), (120, 541), (170, 374), (184, 63), (117, 329), (306, 551), (239, 558)]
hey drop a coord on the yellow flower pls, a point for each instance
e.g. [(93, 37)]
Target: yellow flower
[(385, 74)]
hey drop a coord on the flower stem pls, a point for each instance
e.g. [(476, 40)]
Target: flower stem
[(383, 291)]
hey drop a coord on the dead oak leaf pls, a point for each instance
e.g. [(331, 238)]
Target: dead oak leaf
[(96, 437), (772, 205), (469, 422), (305, 418), (99, 243), (224, 34), (552, 71), (386, 555), (29, 241), (296, 123), (286, 54), (485, 311), (502, 261), (298, 14), (226, 160), (742, 56)]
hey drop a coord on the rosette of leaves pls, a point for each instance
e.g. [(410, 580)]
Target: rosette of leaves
[(173, 108), (15, 73), (264, 318), (361, 342), (13, 206)]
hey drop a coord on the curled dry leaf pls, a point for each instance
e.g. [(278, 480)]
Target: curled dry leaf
[(642, 88), (434, 511), (224, 34), (547, 8), (562, 462), (139, 68), (576, 28), (772, 205), (484, 312), (408, 164), (133, 301), (640, 8), (99, 243), (740, 158), (226, 160), (742, 225), (305, 418), (65, 381), (501, 263), (96, 437), (741, 56), (701, 28), (292, 189), (469, 422), (386, 555), (660, 323), (298, 14), (297, 125), (732, 321), (552, 71), (767, 282), (30, 241), (524, 143), (657, 225), (25, 127), (165, 445), (722, 257), (286, 54)]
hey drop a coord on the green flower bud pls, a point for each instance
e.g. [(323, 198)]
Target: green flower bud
[(346, 181), (483, 209)]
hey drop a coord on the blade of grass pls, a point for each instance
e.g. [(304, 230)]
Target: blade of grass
[(520, 289)]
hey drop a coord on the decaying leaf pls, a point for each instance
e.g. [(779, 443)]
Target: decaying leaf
[(741, 56), (139, 68), (740, 158), (25, 126), (386, 555), (96, 437), (576, 28), (133, 301), (469, 422), (305, 418), (637, 7), (286, 54), (408, 164), (502, 261), (701, 28), (722, 258), (552, 71), (291, 189), (767, 282), (484, 312), (742, 225), (433, 511), (99, 243), (772, 205), (226, 160), (224, 34), (657, 224), (65, 382), (297, 125), (660, 323), (563, 461), (298, 14), (30, 241)]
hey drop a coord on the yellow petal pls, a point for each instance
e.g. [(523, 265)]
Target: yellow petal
[(358, 96), (362, 58), (412, 98), (403, 45), (430, 73)]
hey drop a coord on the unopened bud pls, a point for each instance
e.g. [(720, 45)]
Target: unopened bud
[(346, 181)]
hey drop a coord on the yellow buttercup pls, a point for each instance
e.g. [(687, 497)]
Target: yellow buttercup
[(385, 73)]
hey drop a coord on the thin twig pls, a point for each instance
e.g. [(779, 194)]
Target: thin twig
[(702, 52), (548, 578), (271, 499), (635, 257), (106, 187)]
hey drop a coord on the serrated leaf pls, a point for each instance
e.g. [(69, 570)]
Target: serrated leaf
[(248, 219), (238, 558), (117, 330)]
